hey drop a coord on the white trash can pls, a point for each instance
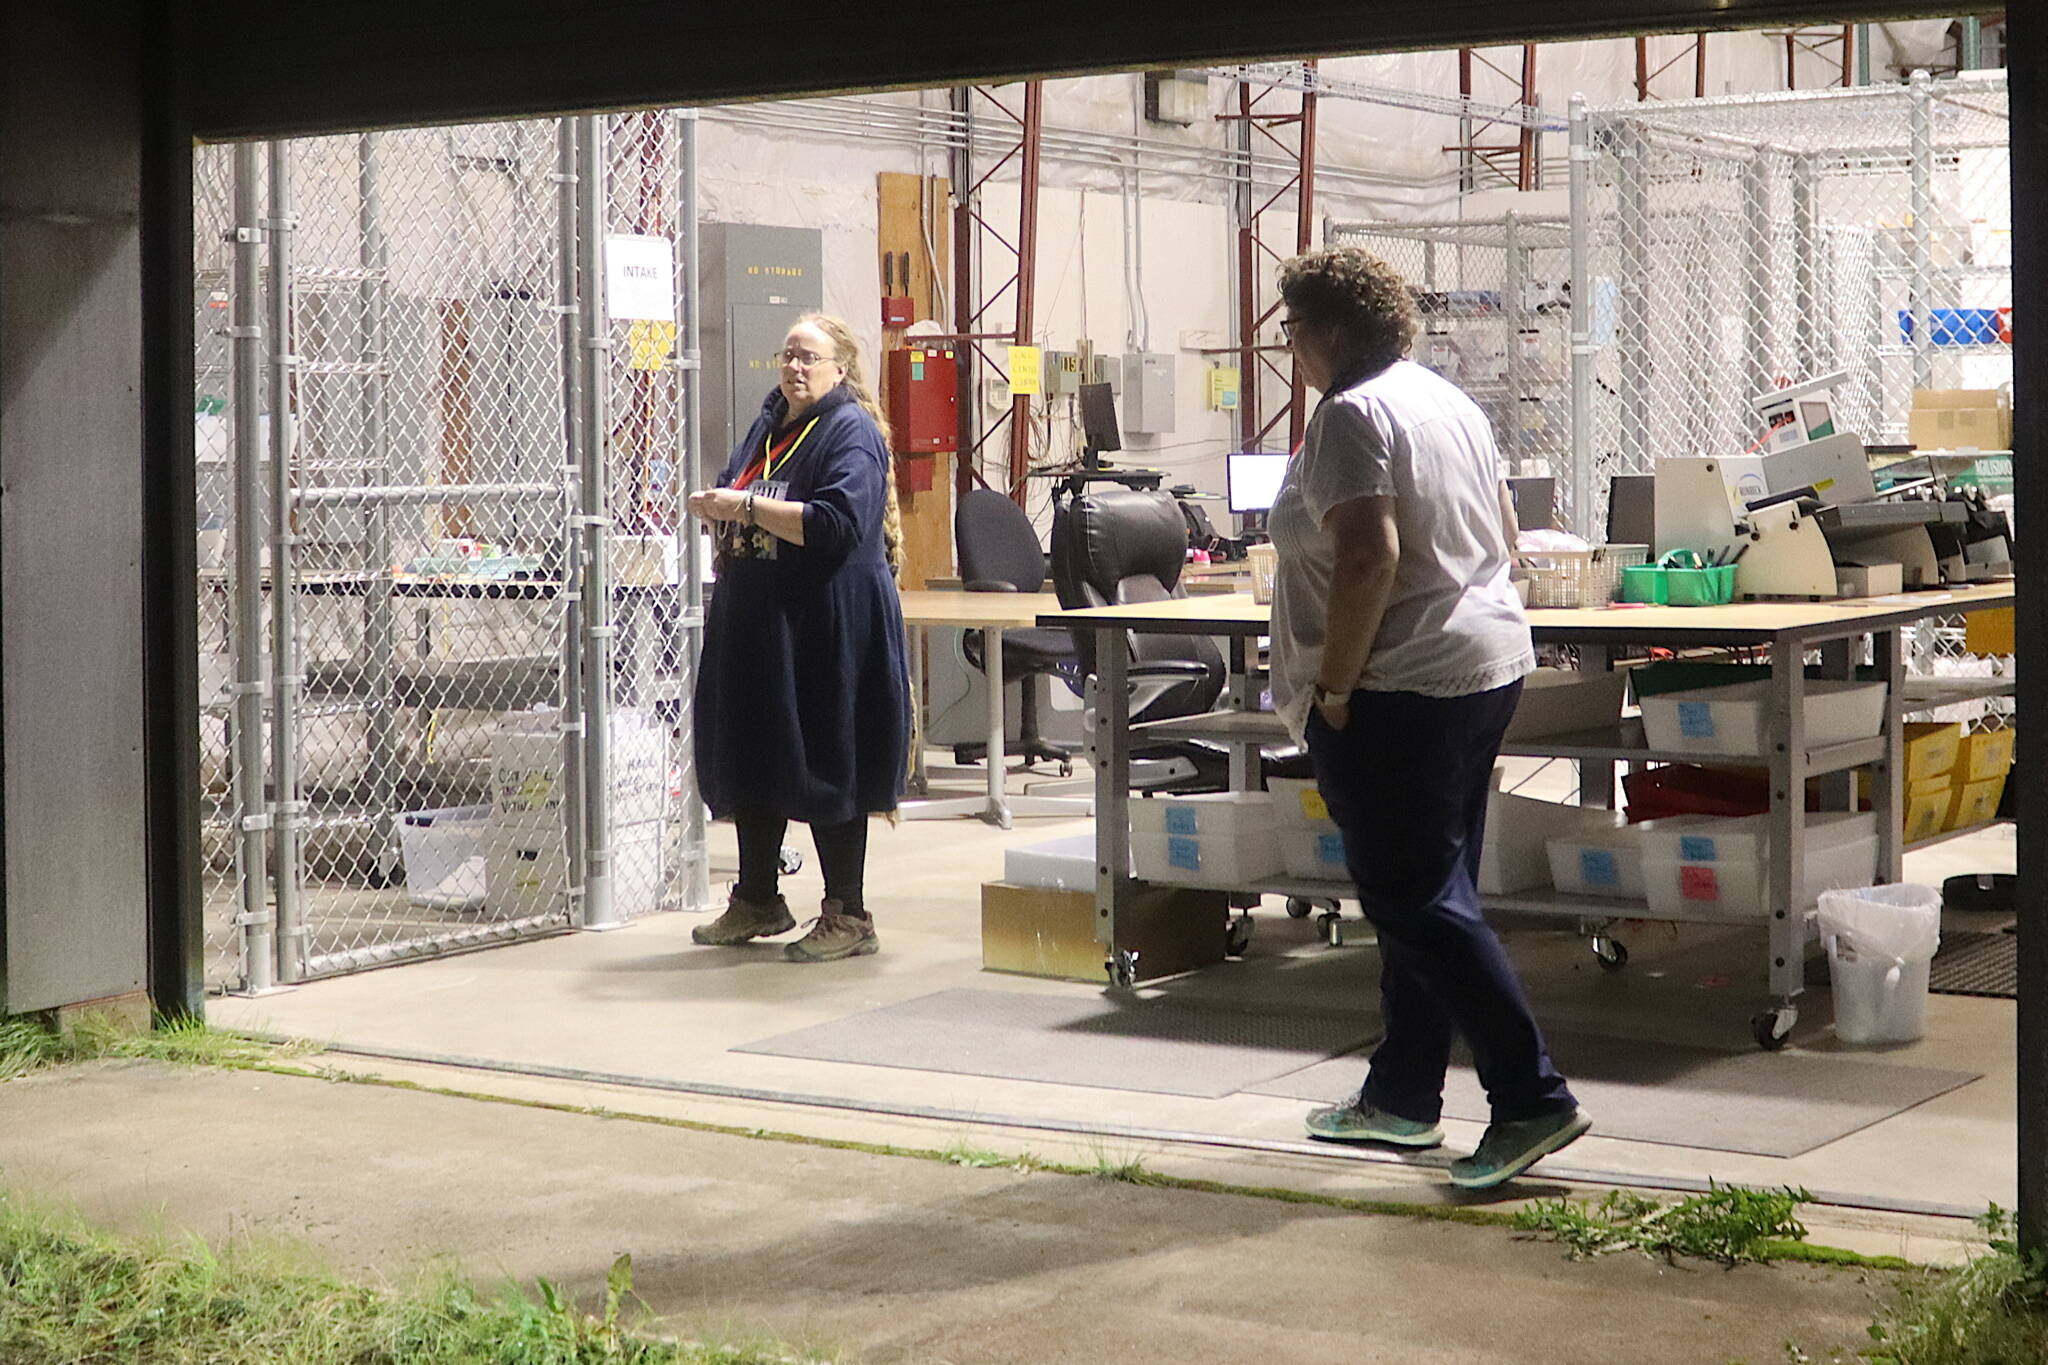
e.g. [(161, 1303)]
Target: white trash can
[(1880, 940)]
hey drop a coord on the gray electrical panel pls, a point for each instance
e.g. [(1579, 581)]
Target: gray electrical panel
[(755, 282), (1148, 393)]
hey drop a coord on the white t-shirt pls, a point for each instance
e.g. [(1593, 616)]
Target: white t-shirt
[(1453, 625)]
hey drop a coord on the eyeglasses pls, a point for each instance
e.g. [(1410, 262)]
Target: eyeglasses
[(803, 360), (1287, 326)]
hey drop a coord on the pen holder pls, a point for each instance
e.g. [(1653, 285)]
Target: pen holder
[(1679, 580)]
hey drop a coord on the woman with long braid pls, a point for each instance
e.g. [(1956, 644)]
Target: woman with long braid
[(803, 699)]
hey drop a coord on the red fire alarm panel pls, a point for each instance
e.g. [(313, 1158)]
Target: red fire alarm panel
[(920, 392), (898, 310)]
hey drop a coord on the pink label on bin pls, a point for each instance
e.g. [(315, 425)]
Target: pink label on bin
[(1698, 883)]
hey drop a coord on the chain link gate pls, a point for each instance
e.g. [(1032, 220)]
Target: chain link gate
[(1725, 246), (395, 747)]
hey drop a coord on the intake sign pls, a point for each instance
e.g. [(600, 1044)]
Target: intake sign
[(640, 277)]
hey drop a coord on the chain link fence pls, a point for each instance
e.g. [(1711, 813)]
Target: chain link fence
[(434, 649), (1731, 246), (1495, 305)]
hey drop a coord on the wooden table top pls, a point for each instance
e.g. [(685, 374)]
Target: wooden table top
[(1736, 623), (1002, 610)]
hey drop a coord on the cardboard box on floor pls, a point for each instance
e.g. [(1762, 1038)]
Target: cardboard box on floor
[(1960, 419), (1044, 931)]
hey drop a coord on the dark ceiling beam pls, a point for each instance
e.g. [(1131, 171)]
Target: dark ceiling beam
[(269, 69)]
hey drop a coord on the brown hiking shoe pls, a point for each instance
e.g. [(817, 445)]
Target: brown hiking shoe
[(834, 934), (745, 919)]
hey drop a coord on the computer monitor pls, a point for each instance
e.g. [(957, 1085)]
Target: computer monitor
[(1252, 479), (1535, 502), (1098, 422)]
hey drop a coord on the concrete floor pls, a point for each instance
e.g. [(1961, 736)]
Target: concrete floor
[(881, 1258), (645, 1003)]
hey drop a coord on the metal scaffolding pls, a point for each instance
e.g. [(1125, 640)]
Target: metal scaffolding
[(1262, 113)]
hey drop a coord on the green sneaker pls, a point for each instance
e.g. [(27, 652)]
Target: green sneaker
[(833, 935), (1360, 1122), (744, 919), (1508, 1149)]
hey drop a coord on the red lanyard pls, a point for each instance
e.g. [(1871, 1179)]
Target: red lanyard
[(773, 458)]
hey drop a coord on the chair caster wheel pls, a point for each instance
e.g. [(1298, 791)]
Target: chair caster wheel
[(1610, 953), (790, 860), (1239, 936), (1773, 1028)]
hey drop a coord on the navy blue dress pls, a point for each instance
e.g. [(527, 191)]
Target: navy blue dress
[(803, 700)]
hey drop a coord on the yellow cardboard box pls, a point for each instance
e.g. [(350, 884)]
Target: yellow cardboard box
[(1960, 419), (1991, 631), (1987, 754), (1044, 931), (1976, 803), (1927, 808), (1931, 749)]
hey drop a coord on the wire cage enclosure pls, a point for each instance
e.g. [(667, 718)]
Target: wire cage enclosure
[(409, 529)]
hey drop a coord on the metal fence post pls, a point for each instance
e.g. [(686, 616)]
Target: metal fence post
[(1514, 301), (380, 638), (1759, 269), (569, 324), (1810, 313), (259, 953), (1922, 95), (690, 356), (1582, 317), (285, 679), (1632, 303), (594, 591)]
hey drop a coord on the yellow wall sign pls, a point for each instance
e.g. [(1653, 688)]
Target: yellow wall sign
[(650, 343), (1024, 371), (1223, 387)]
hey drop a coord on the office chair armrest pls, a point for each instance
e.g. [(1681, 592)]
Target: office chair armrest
[(989, 585), (1153, 679)]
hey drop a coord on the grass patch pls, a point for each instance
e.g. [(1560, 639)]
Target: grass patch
[(29, 1044), (72, 1296), (1991, 1311), (1729, 1224)]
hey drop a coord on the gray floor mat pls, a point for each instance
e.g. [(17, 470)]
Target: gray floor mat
[(1092, 1040), (1971, 963)]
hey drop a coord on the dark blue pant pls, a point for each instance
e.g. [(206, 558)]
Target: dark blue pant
[(1407, 780)]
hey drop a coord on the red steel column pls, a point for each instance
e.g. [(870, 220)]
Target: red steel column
[(1027, 279), (1304, 238)]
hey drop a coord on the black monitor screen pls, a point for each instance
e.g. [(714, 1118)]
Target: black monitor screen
[(1098, 418)]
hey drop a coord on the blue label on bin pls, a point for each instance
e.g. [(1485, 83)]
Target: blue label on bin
[(1598, 868), (1185, 854), (1180, 820), (1330, 848), (1697, 848), (1696, 719)]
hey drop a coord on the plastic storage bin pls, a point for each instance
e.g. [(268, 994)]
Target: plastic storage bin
[(1562, 701), (1606, 864), (1297, 802), (1063, 864), (444, 855), (1931, 749), (1315, 852), (1879, 941), (1987, 754), (1735, 720), (1703, 868), (1516, 855), (1223, 840)]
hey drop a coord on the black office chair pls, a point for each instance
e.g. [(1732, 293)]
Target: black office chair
[(1120, 545), (998, 552)]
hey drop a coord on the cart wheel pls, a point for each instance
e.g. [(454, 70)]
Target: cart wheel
[(1610, 953), (1773, 1028), (1239, 937), (1122, 965), (1298, 908), (1066, 767), (1330, 925), (790, 860)]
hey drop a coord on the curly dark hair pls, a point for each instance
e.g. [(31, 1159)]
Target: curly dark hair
[(1357, 296)]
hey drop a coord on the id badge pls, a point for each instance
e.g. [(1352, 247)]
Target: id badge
[(737, 540)]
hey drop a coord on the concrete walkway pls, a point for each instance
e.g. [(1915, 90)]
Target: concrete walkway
[(882, 1258)]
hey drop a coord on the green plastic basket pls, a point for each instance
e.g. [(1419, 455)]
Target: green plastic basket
[(1674, 582)]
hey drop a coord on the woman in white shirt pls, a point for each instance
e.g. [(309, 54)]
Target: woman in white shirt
[(1399, 649)]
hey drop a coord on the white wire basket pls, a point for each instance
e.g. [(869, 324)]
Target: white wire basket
[(1579, 578), (1264, 561)]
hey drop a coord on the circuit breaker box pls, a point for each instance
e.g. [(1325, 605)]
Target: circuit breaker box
[(756, 282), (921, 393), (1148, 392)]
